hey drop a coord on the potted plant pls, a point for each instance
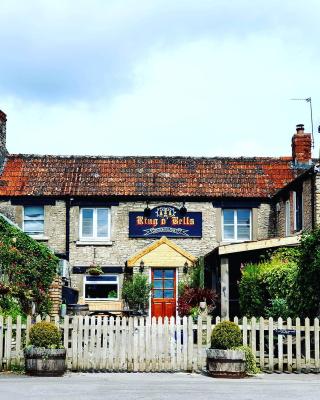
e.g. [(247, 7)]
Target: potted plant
[(135, 293), (45, 356), (223, 359), (95, 270)]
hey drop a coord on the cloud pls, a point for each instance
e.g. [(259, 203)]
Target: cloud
[(58, 51), (157, 77)]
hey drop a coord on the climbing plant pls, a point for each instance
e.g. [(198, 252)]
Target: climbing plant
[(27, 269)]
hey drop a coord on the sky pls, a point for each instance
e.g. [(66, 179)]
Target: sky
[(158, 77)]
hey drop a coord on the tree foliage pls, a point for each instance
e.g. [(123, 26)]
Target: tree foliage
[(27, 270), (308, 278), (270, 288), (135, 292)]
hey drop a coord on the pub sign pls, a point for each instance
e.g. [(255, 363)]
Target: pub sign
[(165, 221)]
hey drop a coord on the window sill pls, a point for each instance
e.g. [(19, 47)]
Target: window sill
[(40, 238), (223, 242), (98, 300), (93, 243)]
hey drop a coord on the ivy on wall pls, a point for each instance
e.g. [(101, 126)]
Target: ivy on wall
[(27, 269)]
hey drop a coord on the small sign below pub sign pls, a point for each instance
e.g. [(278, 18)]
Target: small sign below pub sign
[(165, 221)]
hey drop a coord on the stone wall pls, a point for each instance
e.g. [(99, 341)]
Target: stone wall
[(307, 208)]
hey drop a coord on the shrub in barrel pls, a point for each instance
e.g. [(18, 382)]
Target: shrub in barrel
[(45, 355), (223, 358)]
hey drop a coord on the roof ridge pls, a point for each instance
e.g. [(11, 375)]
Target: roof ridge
[(134, 157)]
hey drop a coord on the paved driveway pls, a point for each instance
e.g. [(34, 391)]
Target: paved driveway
[(119, 386)]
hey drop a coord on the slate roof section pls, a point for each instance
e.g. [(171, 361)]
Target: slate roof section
[(33, 175)]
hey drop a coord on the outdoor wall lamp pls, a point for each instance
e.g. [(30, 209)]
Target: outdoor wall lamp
[(183, 209), (141, 268), (147, 210), (185, 267)]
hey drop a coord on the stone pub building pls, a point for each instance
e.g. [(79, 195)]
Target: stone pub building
[(158, 215)]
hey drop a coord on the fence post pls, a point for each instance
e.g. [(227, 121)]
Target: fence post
[(245, 331), (1, 341), (178, 344), (199, 363), (185, 343), (298, 344), (271, 344), (316, 344), (190, 343), (261, 343), (289, 345), (253, 337), (307, 342), (85, 343), (154, 344), (7, 341), (172, 344), (18, 340), (280, 346)]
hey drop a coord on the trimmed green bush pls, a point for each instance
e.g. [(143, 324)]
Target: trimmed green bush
[(45, 334), (226, 335)]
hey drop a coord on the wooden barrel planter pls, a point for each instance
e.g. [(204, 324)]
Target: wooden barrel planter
[(45, 362), (226, 363)]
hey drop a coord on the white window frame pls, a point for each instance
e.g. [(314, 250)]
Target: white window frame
[(38, 234), (235, 219), (287, 218), (295, 210), (101, 283), (95, 238)]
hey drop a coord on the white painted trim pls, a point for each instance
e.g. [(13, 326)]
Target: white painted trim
[(94, 228), (40, 234), (235, 219), (287, 218), (101, 283), (259, 244), (294, 201), (93, 243)]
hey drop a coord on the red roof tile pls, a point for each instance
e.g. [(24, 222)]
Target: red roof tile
[(33, 175)]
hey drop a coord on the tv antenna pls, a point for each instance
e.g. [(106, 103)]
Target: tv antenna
[(308, 100)]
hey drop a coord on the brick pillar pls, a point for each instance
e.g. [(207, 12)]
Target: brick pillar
[(55, 294)]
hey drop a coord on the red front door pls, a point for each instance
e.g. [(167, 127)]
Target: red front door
[(163, 302)]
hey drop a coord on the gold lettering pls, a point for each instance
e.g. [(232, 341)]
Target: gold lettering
[(139, 220)]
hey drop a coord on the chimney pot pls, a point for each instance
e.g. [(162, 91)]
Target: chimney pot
[(3, 117), (300, 128)]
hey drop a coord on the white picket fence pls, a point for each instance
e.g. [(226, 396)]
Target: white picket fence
[(150, 345)]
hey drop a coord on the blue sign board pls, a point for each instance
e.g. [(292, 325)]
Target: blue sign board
[(165, 221)]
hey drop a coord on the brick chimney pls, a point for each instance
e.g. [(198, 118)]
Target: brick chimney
[(301, 146), (3, 148)]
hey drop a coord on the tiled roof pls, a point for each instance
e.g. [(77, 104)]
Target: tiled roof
[(33, 175)]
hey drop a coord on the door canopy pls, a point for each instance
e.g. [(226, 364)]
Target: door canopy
[(162, 253)]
